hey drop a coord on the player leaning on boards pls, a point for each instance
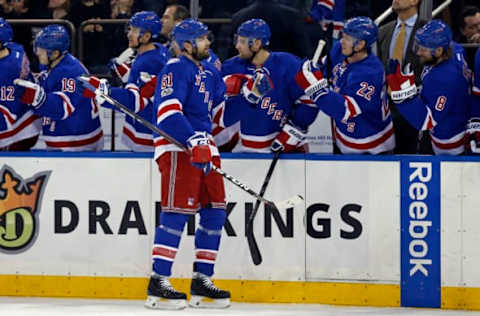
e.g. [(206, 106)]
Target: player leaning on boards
[(187, 90), (19, 127), (143, 28), (357, 98), (443, 104), (473, 126), (70, 121), (263, 101)]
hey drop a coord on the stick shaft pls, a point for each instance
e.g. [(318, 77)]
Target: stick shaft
[(264, 186), (155, 129), (252, 242), (318, 51)]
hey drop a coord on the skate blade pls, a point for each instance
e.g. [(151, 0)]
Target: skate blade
[(154, 302), (205, 302)]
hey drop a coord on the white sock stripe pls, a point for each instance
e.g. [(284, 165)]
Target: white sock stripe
[(171, 231), (210, 232), (205, 261), (165, 246), (206, 250), (162, 258)]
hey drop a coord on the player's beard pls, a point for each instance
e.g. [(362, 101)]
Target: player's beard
[(198, 55), (135, 47), (252, 56), (429, 61)]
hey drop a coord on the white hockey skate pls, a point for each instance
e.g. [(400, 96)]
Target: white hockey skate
[(204, 294)]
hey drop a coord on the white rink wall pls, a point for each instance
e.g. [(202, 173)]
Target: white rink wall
[(95, 217)]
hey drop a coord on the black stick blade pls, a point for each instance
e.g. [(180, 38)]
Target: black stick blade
[(254, 250)]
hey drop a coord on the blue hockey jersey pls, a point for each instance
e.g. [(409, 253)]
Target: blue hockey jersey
[(475, 107), (136, 136), (18, 121), (70, 121), (442, 106), (185, 97), (358, 105), (260, 124), (214, 60)]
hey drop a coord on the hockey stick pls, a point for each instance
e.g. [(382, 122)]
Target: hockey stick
[(316, 57), (252, 243), (318, 51), (277, 205)]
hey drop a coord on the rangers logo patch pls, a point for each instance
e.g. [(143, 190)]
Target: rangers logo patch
[(166, 91)]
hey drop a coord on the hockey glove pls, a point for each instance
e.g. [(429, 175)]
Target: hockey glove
[(311, 80), (473, 135), (401, 83), (254, 90), (288, 139), (40, 77), (90, 87), (121, 65), (201, 154), (147, 90), (29, 93), (234, 83), (320, 9)]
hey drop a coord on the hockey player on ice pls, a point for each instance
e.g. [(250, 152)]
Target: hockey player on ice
[(357, 98), (264, 105), (444, 102), (187, 91), (19, 126), (70, 121)]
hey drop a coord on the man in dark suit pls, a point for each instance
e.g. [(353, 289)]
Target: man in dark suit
[(288, 30), (395, 41)]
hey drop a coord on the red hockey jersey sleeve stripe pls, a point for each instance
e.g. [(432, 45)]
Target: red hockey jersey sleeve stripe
[(352, 108), (168, 108), (68, 108), (7, 114), (327, 3)]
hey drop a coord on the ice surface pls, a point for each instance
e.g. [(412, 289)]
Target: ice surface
[(22, 306)]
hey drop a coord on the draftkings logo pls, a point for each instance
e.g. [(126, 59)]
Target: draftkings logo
[(20, 201)]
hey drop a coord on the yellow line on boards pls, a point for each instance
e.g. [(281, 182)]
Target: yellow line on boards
[(358, 294), (461, 298), (242, 290)]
